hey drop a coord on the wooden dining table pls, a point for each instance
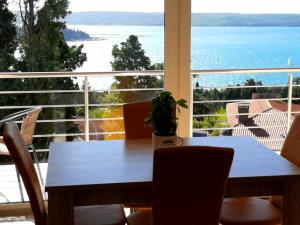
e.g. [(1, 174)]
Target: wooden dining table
[(108, 172)]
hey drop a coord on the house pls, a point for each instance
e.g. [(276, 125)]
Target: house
[(265, 120)]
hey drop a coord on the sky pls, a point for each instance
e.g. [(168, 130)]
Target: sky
[(208, 6), (239, 6)]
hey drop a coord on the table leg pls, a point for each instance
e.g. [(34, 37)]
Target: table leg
[(60, 208), (291, 204)]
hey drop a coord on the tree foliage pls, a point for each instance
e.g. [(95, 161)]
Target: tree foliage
[(8, 45), (225, 94), (217, 121), (42, 48), (130, 56), (7, 37)]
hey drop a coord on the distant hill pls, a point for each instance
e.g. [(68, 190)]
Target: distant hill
[(69, 34), (115, 18), (198, 19), (75, 35), (251, 20)]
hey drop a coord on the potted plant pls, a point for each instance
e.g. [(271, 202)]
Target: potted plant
[(163, 119)]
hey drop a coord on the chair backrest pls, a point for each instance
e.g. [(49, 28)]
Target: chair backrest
[(18, 151), (134, 116), (290, 151), (189, 184), (14, 116), (29, 117), (291, 146), (28, 125)]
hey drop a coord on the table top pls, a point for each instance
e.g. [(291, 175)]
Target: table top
[(124, 164)]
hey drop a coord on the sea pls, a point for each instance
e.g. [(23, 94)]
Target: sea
[(211, 48)]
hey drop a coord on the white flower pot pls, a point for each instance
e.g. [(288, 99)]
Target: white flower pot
[(165, 141)]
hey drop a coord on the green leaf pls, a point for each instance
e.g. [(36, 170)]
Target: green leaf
[(182, 103)]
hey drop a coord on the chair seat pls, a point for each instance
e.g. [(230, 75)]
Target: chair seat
[(249, 211), (141, 217), (99, 215)]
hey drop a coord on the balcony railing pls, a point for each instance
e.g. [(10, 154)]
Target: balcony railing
[(82, 99), (91, 94)]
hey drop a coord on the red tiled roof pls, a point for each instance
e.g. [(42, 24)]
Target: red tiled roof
[(283, 107), (255, 108), (267, 121)]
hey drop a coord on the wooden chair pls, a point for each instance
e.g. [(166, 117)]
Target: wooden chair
[(188, 186), (255, 211), (29, 117), (134, 116), (92, 215), (135, 128)]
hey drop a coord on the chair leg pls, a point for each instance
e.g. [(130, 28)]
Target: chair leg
[(36, 160), (20, 185)]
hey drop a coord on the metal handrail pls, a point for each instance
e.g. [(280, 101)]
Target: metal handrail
[(237, 87), (240, 100), (80, 91), (239, 71), (237, 114), (139, 73), (239, 128), (80, 74)]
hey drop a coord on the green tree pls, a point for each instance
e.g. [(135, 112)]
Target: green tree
[(7, 37), (246, 93), (8, 45), (43, 49), (219, 120), (225, 94), (130, 56)]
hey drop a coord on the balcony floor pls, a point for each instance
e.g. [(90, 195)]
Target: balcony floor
[(6, 222), (9, 188)]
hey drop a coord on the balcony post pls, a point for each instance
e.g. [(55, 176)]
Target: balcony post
[(290, 97), (86, 109), (177, 77)]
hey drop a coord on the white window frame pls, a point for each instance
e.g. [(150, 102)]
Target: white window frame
[(178, 57)]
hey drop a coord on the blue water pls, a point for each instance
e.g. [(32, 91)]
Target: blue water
[(244, 47), (212, 48)]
